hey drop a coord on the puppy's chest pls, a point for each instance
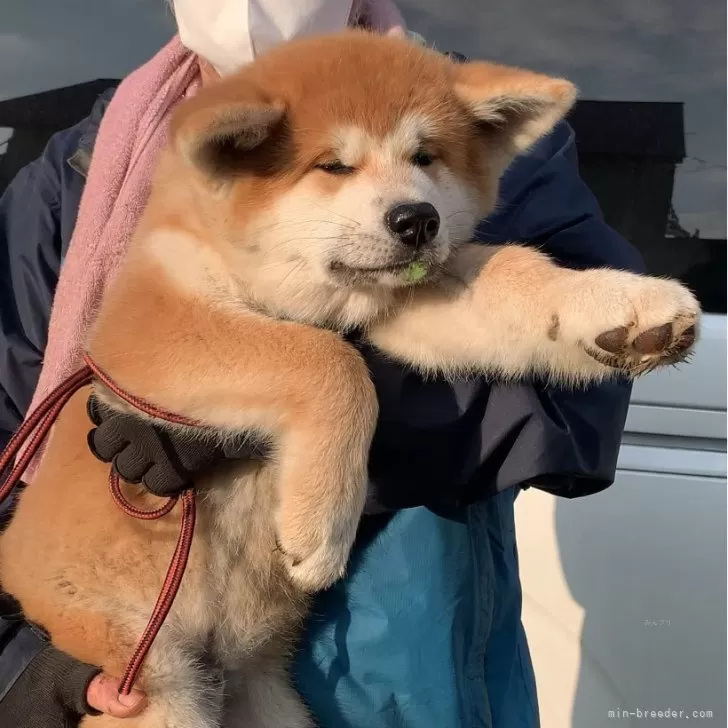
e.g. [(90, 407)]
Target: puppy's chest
[(239, 594)]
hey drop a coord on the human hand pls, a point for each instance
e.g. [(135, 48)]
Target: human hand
[(165, 460), (102, 694), (56, 691)]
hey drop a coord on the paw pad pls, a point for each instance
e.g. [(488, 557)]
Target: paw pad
[(654, 340), (613, 341), (634, 352)]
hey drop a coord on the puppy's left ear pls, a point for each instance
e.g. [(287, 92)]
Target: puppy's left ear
[(510, 105)]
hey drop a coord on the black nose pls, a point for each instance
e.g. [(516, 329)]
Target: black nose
[(415, 224)]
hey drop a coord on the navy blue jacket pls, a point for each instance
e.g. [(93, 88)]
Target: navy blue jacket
[(438, 444)]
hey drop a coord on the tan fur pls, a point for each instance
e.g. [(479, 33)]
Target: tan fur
[(247, 266)]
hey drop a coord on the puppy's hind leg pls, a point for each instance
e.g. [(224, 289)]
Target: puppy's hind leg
[(263, 697), (185, 691)]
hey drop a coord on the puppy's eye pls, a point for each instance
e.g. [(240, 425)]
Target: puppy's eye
[(335, 167), (423, 159)]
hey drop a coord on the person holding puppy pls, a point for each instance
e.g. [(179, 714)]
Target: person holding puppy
[(425, 630)]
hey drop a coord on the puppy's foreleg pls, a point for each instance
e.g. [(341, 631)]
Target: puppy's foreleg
[(306, 388), (510, 311)]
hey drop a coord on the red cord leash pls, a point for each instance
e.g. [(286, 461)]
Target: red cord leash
[(35, 429)]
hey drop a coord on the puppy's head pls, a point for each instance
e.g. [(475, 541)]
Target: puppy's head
[(344, 160)]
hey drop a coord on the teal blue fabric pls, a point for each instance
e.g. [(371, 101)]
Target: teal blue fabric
[(426, 631)]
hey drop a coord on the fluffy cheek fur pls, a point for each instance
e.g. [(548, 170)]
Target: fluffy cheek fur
[(322, 222)]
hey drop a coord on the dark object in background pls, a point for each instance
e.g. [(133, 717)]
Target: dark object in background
[(37, 117), (165, 460), (628, 153)]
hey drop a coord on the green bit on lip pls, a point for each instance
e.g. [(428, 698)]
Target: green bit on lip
[(416, 271)]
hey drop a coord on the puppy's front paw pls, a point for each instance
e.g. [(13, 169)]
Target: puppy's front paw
[(633, 323), (318, 569), (315, 550)]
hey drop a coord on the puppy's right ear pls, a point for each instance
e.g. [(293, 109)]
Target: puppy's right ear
[(215, 130)]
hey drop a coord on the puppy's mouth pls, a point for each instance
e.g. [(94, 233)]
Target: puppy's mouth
[(337, 266), (403, 273)]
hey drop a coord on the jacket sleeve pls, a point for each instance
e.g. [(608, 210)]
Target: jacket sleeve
[(565, 442), (30, 259)]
